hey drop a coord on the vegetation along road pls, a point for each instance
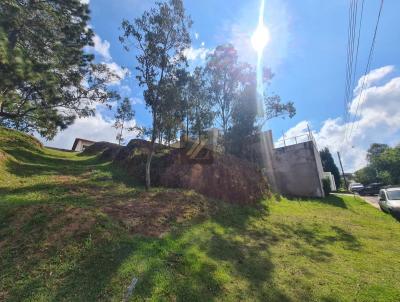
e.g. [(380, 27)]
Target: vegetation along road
[(73, 228)]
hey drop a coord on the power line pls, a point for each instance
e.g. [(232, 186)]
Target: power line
[(367, 70), (350, 55), (358, 42)]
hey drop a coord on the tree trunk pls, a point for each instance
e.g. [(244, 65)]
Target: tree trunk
[(187, 127), (149, 158)]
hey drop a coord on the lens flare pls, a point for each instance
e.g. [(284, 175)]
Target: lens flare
[(260, 38)]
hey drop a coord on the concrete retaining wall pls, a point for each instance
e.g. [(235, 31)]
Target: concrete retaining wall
[(294, 170), (298, 170)]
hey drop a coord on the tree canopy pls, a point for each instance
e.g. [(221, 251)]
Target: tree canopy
[(160, 37), (329, 165), (200, 113), (124, 114), (383, 165), (47, 78)]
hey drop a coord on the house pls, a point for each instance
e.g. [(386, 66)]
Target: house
[(81, 144)]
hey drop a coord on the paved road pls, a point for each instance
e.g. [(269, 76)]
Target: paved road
[(372, 200)]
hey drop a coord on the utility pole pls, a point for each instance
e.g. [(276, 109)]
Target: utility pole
[(341, 166)]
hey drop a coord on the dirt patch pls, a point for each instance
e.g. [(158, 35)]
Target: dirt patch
[(3, 156), (72, 222), (223, 177), (153, 214), (62, 179)]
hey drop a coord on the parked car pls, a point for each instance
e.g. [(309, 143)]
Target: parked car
[(389, 199), (371, 189), (355, 187)]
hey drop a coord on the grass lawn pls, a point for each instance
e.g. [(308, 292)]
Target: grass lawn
[(73, 228)]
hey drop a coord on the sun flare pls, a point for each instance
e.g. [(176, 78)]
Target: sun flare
[(260, 38)]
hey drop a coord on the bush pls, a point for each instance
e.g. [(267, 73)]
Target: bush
[(326, 183)]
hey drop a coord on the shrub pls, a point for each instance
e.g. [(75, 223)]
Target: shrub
[(326, 183)]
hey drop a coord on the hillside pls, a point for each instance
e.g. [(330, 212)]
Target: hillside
[(75, 228)]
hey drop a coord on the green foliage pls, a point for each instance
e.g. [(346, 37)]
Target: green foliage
[(375, 151), (326, 183), (225, 76), (247, 121), (232, 90), (173, 103), (243, 128), (366, 175), (274, 107), (160, 36), (383, 165), (200, 112), (388, 165), (124, 114), (329, 165), (62, 239), (47, 78)]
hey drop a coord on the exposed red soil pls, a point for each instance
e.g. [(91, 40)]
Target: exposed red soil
[(225, 177), (73, 222), (2, 156), (153, 214)]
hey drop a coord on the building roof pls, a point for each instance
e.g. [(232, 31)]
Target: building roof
[(82, 140)]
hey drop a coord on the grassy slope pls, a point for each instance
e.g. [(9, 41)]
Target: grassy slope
[(61, 240)]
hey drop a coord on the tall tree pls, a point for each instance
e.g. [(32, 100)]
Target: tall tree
[(124, 115), (387, 164), (274, 108), (244, 115), (247, 121), (174, 109), (366, 175), (160, 37), (329, 165), (374, 151), (47, 78), (223, 77), (201, 115), (383, 165)]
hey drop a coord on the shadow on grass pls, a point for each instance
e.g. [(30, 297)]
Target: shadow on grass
[(245, 247), (181, 266), (31, 163), (313, 242), (331, 200)]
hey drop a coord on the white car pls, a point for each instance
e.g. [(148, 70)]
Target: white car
[(389, 199)]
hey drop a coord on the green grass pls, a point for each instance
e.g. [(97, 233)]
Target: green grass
[(73, 228)]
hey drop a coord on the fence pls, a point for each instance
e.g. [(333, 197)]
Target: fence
[(302, 138)]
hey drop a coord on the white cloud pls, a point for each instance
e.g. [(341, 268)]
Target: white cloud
[(373, 77), (136, 101), (94, 128), (378, 122), (85, 1), (119, 71), (193, 54), (102, 47), (196, 36)]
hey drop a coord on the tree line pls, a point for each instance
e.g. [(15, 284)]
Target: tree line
[(383, 165), (50, 80)]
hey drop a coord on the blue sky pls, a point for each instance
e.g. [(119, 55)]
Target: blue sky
[(307, 54)]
